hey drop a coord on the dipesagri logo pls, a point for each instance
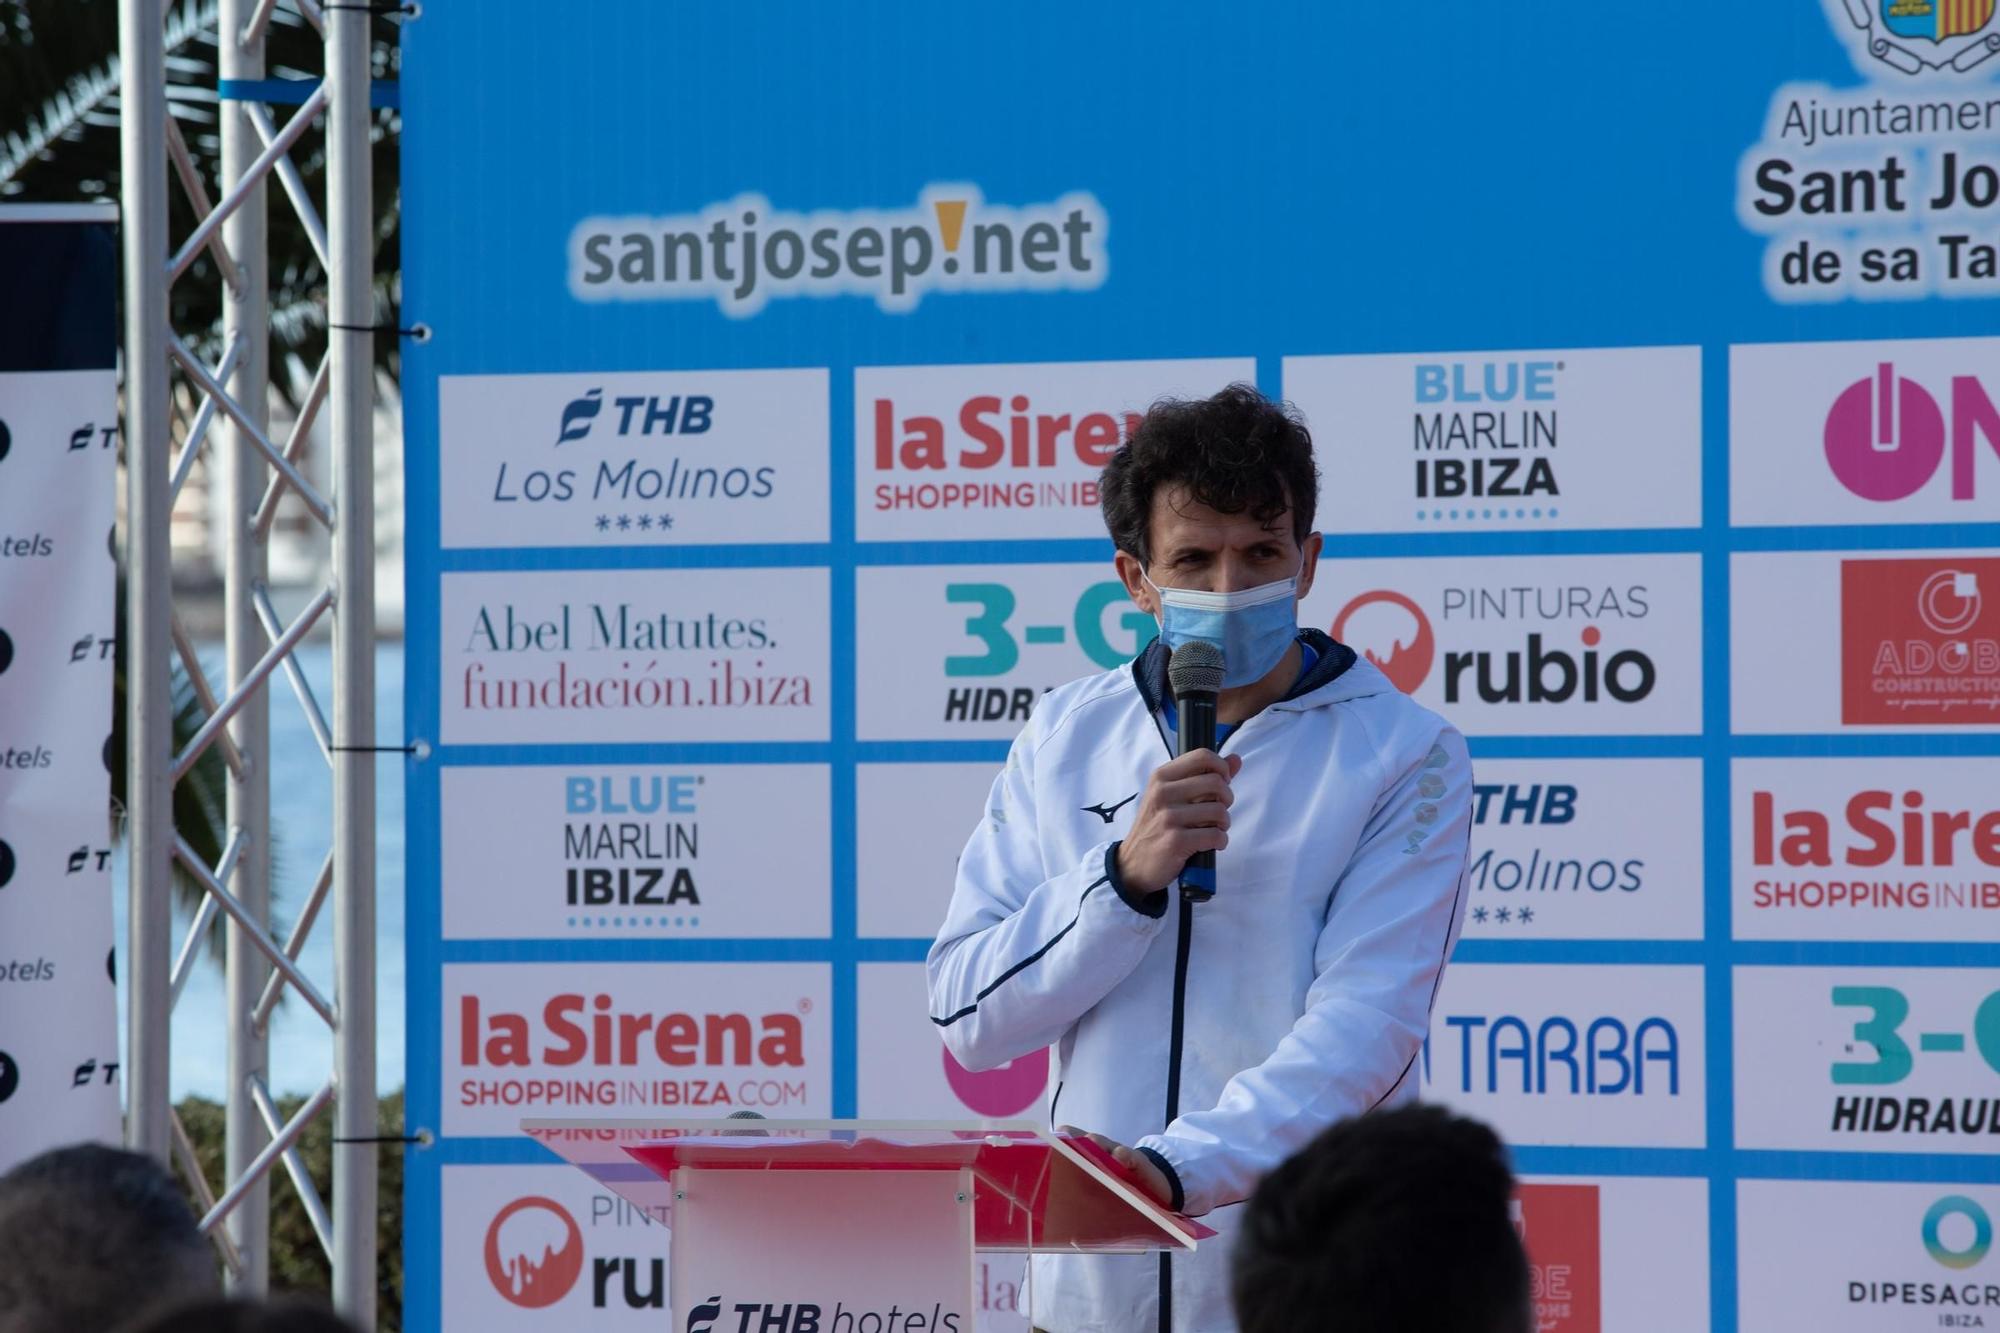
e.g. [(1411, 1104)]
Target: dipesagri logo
[(743, 253)]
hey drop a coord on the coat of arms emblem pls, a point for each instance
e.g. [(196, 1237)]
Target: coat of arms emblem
[(1918, 35)]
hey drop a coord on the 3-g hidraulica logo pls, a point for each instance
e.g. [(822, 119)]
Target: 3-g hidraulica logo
[(1872, 1079)]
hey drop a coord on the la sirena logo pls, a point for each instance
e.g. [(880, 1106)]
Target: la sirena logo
[(610, 1038), (1886, 436), (534, 1252)]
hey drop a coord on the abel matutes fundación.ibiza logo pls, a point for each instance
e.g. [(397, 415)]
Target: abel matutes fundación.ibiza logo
[(1890, 189)]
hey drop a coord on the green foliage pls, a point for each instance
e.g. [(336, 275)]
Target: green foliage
[(298, 1265)]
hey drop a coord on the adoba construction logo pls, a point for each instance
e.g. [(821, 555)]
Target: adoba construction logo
[(1920, 641), (744, 253), (534, 1252), (1558, 1226)]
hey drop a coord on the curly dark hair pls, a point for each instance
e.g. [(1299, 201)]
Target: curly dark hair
[(1350, 1233), (1237, 452)]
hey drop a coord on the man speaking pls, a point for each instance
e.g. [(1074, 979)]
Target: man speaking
[(1217, 1034)]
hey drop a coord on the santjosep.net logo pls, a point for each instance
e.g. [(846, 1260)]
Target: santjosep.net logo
[(745, 252)]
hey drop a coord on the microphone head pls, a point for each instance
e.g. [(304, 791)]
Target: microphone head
[(1195, 668)]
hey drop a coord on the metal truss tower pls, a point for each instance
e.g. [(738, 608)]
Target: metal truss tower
[(258, 471)]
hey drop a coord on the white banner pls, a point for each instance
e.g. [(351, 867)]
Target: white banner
[(58, 1003)]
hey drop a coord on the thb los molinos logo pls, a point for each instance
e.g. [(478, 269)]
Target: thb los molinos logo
[(1920, 642), (745, 252)]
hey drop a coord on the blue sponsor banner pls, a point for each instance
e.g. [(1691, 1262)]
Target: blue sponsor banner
[(752, 496)]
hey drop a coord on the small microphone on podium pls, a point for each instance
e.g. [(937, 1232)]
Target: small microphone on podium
[(1195, 674)]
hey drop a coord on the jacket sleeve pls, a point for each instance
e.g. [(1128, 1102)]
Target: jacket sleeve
[(1395, 915), (1027, 949)]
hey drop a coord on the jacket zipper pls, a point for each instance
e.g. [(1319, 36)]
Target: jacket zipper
[(1174, 1040)]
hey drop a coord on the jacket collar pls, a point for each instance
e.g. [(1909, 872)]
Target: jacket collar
[(1149, 668)]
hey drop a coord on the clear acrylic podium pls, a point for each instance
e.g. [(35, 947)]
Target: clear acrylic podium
[(853, 1226)]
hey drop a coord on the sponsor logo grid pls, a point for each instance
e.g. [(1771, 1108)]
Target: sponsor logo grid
[(1722, 770)]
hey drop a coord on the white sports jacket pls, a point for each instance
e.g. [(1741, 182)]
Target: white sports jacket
[(1218, 1037)]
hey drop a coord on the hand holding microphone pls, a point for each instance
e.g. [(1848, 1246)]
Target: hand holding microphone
[(1183, 817)]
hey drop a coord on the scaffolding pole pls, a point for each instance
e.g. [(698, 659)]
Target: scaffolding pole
[(148, 636), (246, 324), (350, 240), (230, 431)]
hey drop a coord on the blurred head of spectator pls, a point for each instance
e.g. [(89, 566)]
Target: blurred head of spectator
[(96, 1238), (250, 1317), (1393, 1221)]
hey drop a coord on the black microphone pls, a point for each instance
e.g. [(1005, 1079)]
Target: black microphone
[(1195, 673)]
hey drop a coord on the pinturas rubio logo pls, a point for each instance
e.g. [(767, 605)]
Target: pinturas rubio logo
[(1886, 435), (743, 253), (534, 1252), (1542, 671), (1918, 645), (1398, 639)]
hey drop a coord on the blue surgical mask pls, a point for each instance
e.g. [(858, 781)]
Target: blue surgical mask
[(1253, 627)]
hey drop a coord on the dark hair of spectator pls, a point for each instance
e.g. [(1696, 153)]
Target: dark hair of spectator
[(1392, 1222), (96, 1238), (1236, 452), (250, 1317)]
